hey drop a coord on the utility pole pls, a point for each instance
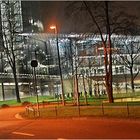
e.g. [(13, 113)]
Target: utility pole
[(59, 61)]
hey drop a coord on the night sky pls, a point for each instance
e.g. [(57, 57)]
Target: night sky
[(51, 12)]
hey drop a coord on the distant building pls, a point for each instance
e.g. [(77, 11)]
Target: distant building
[(13, 7), (85, 53), (31, 14)]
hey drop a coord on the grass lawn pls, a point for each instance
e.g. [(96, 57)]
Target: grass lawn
[(91, 100), (29, 99), (10, 103), (126, 95), (48, 99), (96, 107)]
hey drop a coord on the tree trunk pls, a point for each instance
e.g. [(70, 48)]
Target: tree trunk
[(3, 94), (16, 85), (132, 79), (2, 85), (76, 90), (110, 89), (125, 78), (85, 93), (126, 89), (107, 61)]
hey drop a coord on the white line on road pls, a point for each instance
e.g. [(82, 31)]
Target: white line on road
[(17, 116), (26, 134)]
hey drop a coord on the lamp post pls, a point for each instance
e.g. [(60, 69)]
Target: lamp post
[(58, 53), (34, 64)]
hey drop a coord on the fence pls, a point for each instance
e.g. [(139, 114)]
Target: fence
[(81, 111)]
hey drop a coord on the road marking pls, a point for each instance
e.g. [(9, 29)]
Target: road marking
[(17, 116), (26, 134), (61, 139)]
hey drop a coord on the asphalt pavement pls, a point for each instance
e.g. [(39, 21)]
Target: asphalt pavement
[(14, 127)]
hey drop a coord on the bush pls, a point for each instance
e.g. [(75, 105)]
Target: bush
[(25, 103), (4, 106)]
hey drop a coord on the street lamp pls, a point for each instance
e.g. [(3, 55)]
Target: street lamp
[(54, 28), (61, 78), (34, 64)]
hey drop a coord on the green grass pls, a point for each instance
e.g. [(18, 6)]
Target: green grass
[(40, 98), (96, 107), (126, 95), (91, 100), (29, 99), (10, 102)]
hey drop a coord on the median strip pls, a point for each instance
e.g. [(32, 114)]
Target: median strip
[(25, 134)]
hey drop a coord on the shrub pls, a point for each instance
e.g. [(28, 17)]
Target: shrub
[(25, 103), (4, 106)]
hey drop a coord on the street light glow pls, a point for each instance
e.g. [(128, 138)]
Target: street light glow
[(52, 27)]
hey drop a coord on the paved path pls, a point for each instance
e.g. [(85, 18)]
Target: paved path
[(87, 128)]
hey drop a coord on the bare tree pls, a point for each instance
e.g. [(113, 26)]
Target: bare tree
[(105, 19), (11, 27), (129, 54), (74, 56)]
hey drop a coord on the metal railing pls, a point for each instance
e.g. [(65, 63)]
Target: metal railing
[(48, 111)]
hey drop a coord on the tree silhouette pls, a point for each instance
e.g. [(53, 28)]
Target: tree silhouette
[(11, 27)]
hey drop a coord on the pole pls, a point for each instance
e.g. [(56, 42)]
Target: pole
[(34, 64), (57, 95), (76, 78), (2, 84), (127, 107), (85, 93), (35, 90)]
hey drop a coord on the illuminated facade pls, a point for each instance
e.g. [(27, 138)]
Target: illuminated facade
[(13, 7), (83, 54)]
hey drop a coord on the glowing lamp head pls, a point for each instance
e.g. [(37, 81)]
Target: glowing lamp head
[(52, 27)]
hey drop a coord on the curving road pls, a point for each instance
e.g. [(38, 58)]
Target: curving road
[(74, 128)]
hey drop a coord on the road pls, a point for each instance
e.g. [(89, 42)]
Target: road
[(74, 128)]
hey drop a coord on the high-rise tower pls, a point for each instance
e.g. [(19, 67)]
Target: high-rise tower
[(11, 10)]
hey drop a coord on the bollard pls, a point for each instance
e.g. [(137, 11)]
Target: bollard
[(34, 112), (127, 107), (43, 104), (78, 110), (103, 109), (56, 113), (31, 109), (27, 110)]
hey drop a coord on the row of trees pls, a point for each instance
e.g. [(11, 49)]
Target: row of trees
[(106, 19), (87, 55), (10, 28)]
